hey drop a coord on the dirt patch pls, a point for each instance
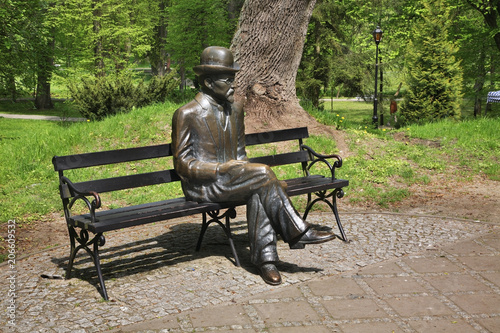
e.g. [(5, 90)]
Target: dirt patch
[(402, 137), (48, 232)]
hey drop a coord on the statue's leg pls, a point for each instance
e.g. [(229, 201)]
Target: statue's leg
[(261, 233), (284, 218), (253, 182)]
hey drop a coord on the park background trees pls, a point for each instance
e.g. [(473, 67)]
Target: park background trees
[(54, 42), (432, 73)]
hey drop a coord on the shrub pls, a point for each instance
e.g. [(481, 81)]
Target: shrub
[(98, 97), (434, 76), (159, 89)]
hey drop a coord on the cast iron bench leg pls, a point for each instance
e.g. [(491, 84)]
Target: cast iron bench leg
[(215, 217), (72, 253), (97, 262), (338, 193), (83, 239), (321, 196)]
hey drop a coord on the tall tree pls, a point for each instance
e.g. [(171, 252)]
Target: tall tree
[(194, 25), (17, 43), (158, 53), (268, 46), (104, 36), (475, 48), (490, 9), (44, 54), (321, 46), (434, 76)]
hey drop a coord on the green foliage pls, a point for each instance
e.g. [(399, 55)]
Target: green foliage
[(159, 89), (433, 75), (342, 114), (23, 44), (194, 25), (99, 97), (332, 56), (104, 35)]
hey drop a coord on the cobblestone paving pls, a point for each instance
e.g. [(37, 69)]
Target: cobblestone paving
[(153, 274)]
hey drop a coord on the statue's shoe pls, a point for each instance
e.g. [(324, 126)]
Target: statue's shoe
[(270, 274), (312, 237)]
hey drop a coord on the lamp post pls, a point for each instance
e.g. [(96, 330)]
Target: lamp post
[(377, 36)]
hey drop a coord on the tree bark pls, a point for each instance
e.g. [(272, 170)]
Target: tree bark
[(268, 46), (44, 75), (11, 86)]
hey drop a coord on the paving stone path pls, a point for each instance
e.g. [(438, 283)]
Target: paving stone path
[(399, 273)]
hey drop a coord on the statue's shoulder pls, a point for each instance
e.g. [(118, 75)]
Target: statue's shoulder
[(194, 108)]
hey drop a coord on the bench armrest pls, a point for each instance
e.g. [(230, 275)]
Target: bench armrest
[(78, 194), (320, 158)]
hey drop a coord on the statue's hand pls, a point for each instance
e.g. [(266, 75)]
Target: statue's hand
[(230, 166)]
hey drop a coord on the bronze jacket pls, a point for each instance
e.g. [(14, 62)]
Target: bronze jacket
[(205, 135)]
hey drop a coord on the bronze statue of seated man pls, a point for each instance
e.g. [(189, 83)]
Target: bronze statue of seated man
[(208, 141)]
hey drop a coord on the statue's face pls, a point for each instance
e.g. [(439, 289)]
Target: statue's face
[(222, 87)]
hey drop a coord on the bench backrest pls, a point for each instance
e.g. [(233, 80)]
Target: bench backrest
[(70, 162)]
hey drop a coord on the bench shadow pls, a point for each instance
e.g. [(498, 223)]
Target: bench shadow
[(177, 245)]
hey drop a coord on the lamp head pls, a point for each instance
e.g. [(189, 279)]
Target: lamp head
[(377, 35)]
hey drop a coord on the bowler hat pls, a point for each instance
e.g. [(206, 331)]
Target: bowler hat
[(216, 59)]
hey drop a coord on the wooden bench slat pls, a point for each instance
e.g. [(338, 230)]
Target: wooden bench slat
[(145, 209), (85, 160), (276, 136), (314, 185), (282, 159), (143, 216), (110, 157), (126, 182), (163, 203)]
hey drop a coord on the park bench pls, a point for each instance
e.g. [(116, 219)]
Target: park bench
[(317, 187)]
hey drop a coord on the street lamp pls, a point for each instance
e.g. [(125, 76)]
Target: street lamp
[(377, 36)]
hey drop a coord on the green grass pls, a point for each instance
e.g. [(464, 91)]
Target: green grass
[(345, 114), (472, 143), (358, 114)]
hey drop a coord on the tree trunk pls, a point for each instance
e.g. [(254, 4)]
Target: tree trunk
[(158, 55), (98, 48), (11, 87), (44, 75), (478, 85), (268, 46)]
